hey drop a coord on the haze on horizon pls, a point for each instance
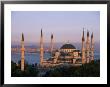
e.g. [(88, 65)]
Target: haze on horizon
[(65, 25)]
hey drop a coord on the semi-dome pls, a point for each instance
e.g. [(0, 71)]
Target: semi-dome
[(68, 46)]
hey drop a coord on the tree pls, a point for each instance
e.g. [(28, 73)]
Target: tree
[(29, 71), (87, 70)]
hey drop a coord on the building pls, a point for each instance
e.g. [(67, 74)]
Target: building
[(67, 48), (67, 54), (70, 49)]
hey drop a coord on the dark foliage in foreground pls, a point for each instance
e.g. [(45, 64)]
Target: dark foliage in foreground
[(87, 70), (29, 71)]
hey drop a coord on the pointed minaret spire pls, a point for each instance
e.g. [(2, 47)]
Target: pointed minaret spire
[(51, 36), (87, 33), (51, 48), (92, 39), (92, 35), (41, 32), (22, 37), (83, 39), (83, 32), (41, 49), (22, 52)]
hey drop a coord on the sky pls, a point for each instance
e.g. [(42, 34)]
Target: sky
[(65, 25)]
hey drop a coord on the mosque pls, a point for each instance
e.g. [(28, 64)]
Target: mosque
[(67, 54)]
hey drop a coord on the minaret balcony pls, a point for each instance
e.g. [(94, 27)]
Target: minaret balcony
[(22, 49)]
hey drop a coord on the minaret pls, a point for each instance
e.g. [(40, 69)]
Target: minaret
[(41, 49), (57, 54), (83, 49), (87, 48), (22, 53), (51, 48), (92, 48)]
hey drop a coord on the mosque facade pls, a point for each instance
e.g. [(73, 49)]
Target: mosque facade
[(67, 54)]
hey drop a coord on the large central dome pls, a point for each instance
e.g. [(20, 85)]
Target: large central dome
[(68, 46)]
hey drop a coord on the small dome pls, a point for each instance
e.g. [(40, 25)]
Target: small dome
[(68, 46)]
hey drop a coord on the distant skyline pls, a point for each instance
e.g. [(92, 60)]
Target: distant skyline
[(65, 25)]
